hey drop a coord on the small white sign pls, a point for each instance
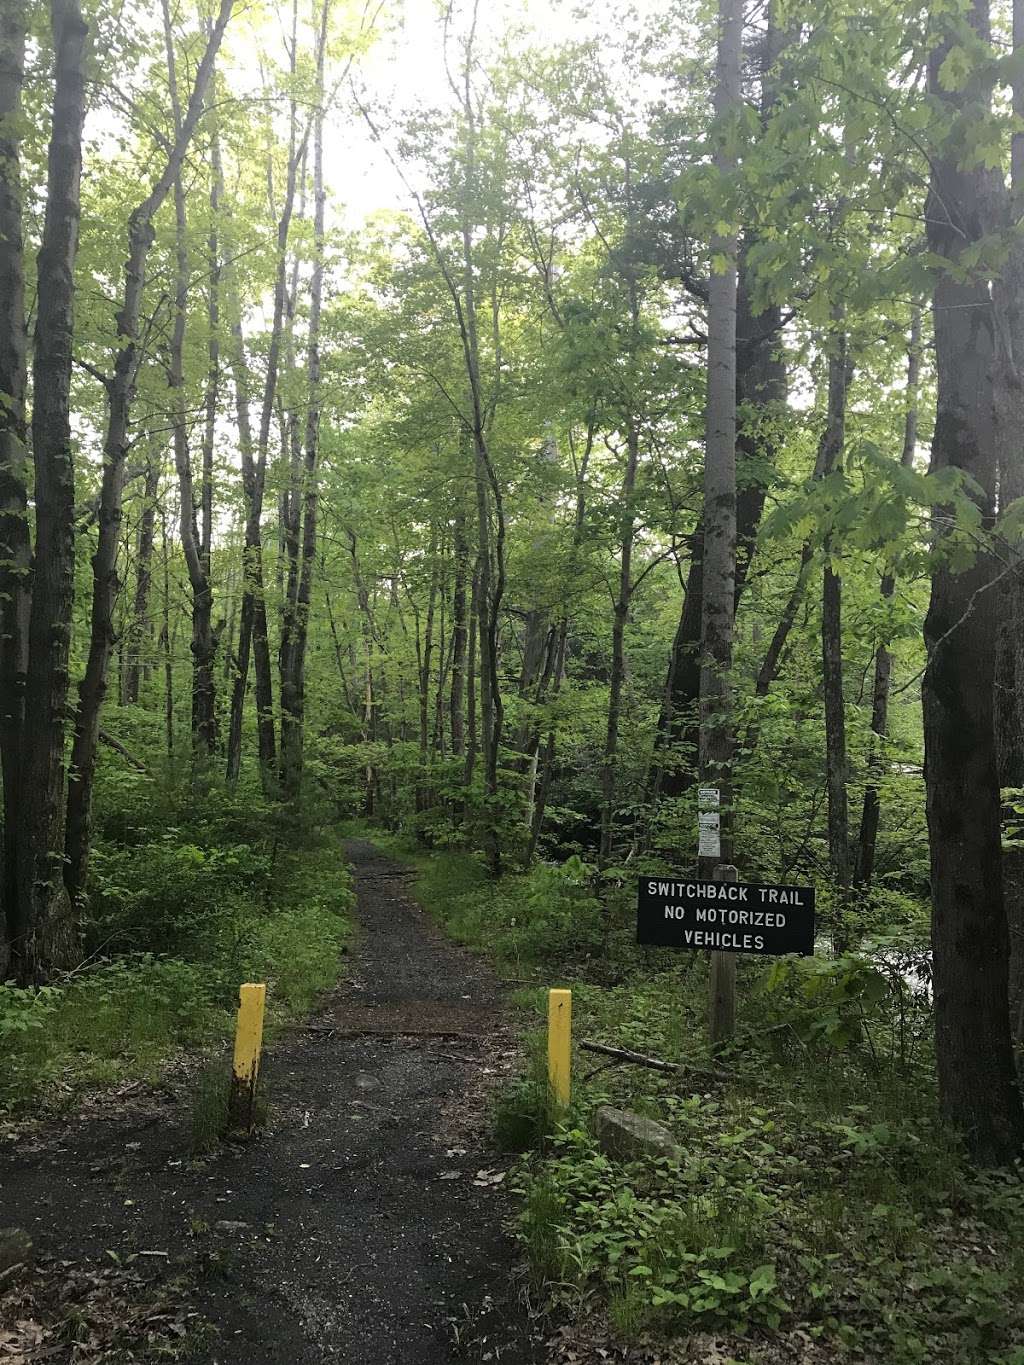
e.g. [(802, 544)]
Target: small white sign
[(708, 796), (709, 841)]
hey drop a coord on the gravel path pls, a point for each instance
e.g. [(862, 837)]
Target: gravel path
[(366, 1226)]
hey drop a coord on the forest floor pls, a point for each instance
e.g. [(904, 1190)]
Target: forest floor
[(365, 1225)]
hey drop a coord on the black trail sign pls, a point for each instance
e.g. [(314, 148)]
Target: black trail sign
[(726, 917)]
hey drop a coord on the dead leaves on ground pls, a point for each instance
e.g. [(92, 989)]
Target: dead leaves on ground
[(80, 1314)]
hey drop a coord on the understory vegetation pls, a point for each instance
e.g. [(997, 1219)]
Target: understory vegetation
[(817, 1200), (192, 894)]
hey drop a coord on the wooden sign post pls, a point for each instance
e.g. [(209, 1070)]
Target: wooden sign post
[(722, 981)]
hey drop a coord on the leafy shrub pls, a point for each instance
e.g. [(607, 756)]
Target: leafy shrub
[(826, 1001), (671, 1247), (169, 897)]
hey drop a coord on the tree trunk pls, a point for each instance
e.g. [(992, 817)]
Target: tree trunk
[(253, 633), (471, 658), (42, 932), (1008, 298), (761, 388), (195, 543), (978, 1090), (871, 809), (293, 707), (15, 540), (619, 618), (138, 631), (718, 596), (459, 637), (830, 460), (120, 393)]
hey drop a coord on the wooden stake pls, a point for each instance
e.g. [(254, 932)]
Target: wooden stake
[(722, 980), (246, 1067), (559, 1046)]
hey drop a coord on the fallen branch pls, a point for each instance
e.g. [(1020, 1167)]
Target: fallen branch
[(119, 748), (625, 1054)]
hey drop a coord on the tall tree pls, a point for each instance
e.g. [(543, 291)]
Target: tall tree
[(830, 461), (719, 576), (40, 928), (15, 540), (195, 542), (978, 1088), (296, 631), (120, 394), (867, 839)]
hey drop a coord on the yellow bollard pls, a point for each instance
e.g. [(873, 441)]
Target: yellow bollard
[(246, 1068), (559, 1045)]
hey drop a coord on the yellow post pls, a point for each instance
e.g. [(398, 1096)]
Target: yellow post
[(559, 1044), (246, 1067)]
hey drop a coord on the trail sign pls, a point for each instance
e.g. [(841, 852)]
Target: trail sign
[(726, 917)]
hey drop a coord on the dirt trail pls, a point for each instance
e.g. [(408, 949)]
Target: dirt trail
[(354, 1230)]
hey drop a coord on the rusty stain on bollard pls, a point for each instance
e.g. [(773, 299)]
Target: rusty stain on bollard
[(245, 1069)]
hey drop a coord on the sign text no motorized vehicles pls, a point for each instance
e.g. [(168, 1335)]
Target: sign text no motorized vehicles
[(726, 917)]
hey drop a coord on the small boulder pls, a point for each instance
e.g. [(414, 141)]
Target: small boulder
[(621, 1133)]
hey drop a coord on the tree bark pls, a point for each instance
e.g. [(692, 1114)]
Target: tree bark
[(194, 547), (830, 460), (718, 596), (120, 394), (761, 387), (1008, 298), (620, 616), (457, 724), (42, 931), (253, 632), (15, 539), (293, 677), (139, 630), (978, 1089)]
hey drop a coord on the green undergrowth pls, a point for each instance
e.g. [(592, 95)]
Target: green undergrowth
[(524, 921), (817, 1207), (816, 1195), (189, 896)]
